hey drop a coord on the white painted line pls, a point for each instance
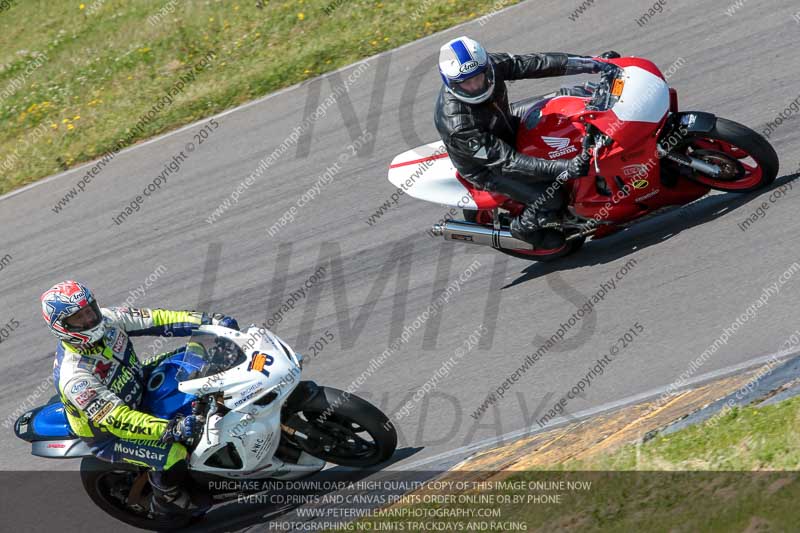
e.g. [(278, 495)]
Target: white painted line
[(243, 106), (471, 449)]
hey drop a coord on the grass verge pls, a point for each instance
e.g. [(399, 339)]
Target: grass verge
[(75, 77), (737, 472)]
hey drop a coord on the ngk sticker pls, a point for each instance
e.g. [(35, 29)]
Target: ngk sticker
[(639, 174), (639, 171)]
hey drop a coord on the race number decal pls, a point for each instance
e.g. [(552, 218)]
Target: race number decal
[(260, 361)]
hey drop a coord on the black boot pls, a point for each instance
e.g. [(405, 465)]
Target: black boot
[(168, 496), (542, 229)]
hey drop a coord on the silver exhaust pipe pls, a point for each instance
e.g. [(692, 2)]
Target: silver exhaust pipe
[(473, 233)]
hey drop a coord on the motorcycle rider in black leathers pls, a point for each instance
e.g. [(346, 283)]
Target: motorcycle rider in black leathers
[(478, 126)]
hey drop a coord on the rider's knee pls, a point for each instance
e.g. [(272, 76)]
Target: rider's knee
[(177, 453)]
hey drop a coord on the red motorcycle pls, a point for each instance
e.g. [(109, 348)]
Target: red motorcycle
[(645, 156)]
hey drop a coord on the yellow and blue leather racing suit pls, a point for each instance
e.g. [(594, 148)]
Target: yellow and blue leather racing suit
[(101, 387)]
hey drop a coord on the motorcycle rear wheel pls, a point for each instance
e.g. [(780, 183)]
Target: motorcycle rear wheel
[(543, 255), (351, 421), (485, 217)]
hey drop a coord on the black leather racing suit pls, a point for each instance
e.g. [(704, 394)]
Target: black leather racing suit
[(481, 138)]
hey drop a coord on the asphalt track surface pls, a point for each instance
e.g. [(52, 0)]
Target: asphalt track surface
[(695, 270)]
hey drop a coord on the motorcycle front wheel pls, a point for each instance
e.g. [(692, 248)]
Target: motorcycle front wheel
[(110, 487), (357, 433), (747, 161)]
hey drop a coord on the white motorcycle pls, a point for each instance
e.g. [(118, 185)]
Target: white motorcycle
[(261, 422)]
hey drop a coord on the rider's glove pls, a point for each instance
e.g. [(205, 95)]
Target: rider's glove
[(218, 319), (583, 65), (183, 429), (587, 65), (577, 167), (604, 66)]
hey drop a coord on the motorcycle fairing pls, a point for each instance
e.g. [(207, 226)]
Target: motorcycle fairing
[(426, 173), (162, 398), (241, 443), (48, 431), (71, 448), (47, 422)]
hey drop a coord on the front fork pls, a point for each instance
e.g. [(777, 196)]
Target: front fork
[(302, 395), (699, 165), (678, 128)]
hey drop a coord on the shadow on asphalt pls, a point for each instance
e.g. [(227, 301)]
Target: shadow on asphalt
[(233, 516), (649, 232)]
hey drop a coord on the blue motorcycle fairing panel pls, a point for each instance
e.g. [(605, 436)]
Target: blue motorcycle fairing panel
[(51, 421), (162, 397)]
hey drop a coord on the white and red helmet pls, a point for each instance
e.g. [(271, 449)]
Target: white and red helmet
[(64, 300)]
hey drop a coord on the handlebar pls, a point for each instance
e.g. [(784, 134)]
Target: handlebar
[(200, 410), (601, 99), (199, 406)]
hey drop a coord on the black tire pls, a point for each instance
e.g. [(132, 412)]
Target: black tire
[(471, 215), (97, 476), (336, 412), (572, 247), (744, 138)]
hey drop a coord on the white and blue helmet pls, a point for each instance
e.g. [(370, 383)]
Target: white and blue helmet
[(464, 59)]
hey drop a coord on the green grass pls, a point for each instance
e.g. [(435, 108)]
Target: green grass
[(75, 77), (737, 473), (739, 439)]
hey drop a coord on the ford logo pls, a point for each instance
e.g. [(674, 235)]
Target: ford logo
[(469, 65)]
